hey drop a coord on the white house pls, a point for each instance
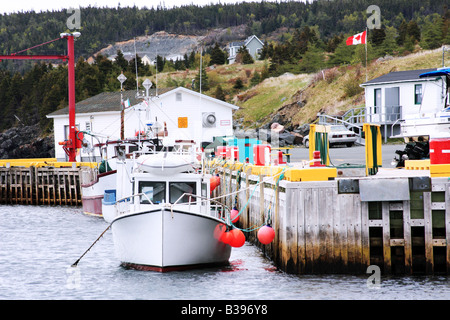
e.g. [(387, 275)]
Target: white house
[(402, 95), (148, 61), (187, 115), (252, 43)]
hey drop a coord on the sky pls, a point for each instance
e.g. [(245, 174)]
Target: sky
[(8, 6)]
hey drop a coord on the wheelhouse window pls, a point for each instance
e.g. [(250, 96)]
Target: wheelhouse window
[(153, 190), (418, 94), (177, 189)]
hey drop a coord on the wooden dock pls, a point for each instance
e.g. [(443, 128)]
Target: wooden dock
[(40, 182), (398, 220)]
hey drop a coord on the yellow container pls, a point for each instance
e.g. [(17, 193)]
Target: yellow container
[(440, 170), (417, 164), (310, 174)]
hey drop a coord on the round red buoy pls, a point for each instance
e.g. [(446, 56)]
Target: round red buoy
[(238, 238), (219, 230), (226, 237), (234, 215), (214, 181), (266, 234)]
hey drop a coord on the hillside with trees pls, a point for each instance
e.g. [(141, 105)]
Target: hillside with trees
[(299, 38)]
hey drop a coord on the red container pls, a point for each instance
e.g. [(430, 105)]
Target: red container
[(261, 154), (440, 151), (280, 158), (232, 153), (221, 152)]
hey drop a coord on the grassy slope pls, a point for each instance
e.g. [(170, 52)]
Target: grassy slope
[(332, 91)]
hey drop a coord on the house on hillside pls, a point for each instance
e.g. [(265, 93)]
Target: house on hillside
[(253, 45), (146, 60), (187, 115), (402, 95)]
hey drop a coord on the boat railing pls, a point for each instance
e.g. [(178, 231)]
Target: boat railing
[(123, 204), (218, 208)]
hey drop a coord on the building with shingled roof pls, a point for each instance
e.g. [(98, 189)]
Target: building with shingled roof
[(186, 114)]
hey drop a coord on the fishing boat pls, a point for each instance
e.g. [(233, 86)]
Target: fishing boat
[(163, 218), (94, 181)]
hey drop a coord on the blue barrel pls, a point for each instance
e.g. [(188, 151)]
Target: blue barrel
[(109, 197)]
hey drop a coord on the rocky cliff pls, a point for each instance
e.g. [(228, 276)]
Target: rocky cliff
[(25, 142)]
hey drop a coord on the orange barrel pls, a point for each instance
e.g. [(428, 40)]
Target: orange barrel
[(440, 151), (261, 154)]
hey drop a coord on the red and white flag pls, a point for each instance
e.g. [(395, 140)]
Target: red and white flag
[(359, 38)]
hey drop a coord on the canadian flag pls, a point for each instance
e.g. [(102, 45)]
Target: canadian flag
[(359, 38)]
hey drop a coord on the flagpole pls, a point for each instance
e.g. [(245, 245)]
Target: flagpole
[(367, 39)]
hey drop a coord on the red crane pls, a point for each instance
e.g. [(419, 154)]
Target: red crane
[(70, 145)]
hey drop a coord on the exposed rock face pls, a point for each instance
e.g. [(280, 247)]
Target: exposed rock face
[(173, 45), (160, 43), (25, 142)]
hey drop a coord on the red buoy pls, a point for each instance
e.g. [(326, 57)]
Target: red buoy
[(266, 234), (219, 230), (226, 237), (214, 181), (238, 238), (234, 215)]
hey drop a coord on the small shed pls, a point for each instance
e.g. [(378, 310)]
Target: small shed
[(401, 95)]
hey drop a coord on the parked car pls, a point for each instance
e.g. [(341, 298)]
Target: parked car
[(339, 135)]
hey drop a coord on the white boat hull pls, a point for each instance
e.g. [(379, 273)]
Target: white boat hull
[(161, 240)]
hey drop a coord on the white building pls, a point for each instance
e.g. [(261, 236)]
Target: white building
[(187, 115), (402, 95), (253, 45)]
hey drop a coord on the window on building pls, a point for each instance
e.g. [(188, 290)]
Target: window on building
[(178, 96), (418, 94), (88, 126)]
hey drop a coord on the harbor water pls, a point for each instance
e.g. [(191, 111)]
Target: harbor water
[(38, 245)]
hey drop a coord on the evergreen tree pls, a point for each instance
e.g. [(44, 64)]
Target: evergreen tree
[(217, 55), (313, 60), (238, 84), (413, 30), (160, 63), (432, 33), (377, 36), (243, 56), (219, 93), (255, 79), (121, 61), (204, 81)]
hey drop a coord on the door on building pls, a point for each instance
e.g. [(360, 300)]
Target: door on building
[(392, 104)]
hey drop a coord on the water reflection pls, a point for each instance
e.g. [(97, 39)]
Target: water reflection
[(38, 244)]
